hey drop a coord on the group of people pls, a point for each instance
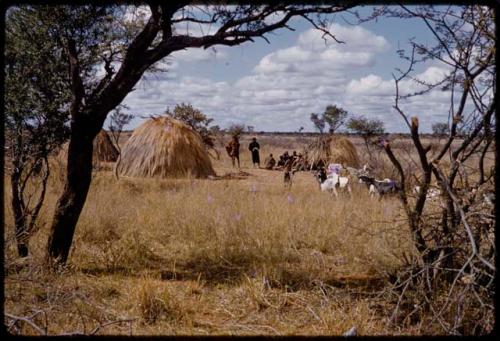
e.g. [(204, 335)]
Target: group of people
[(233, 150), (285, 160)]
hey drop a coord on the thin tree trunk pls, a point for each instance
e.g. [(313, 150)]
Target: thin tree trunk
[(72, 200), (368, 148), (19, 215), (481, 161)]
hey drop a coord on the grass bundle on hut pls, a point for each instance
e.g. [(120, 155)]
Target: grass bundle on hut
[(328, 149), (165, 147)]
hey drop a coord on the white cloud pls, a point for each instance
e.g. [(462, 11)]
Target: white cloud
[(286, 85), (313, 55), (283, 89), (355, 38), (372, 95), (371, 85), (194, 29), (200, 55)]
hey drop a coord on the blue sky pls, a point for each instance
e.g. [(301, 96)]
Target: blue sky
[(275, 87)]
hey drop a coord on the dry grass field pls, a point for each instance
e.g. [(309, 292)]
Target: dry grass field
[(240, 256)]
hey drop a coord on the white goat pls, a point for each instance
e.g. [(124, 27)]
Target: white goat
[(372, 191), (331, 182)]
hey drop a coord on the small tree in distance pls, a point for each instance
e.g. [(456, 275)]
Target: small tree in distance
[(318, 122), (195, 119), (440, 129), (119, 119), (335, 117), (365, 127), (236, 129), (216, 130), (218, 133)]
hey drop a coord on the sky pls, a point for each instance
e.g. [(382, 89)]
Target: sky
[(276, 86)]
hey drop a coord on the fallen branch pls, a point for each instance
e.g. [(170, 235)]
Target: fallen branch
[(28, 321), (96, 329)]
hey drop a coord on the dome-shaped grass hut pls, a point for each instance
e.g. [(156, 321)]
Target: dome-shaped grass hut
[(331, 149), (104, 149), (167, 148)]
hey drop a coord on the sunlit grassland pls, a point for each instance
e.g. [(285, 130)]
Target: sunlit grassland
[(239, 256)]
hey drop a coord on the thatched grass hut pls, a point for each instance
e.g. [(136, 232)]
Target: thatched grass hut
[(325, 150), (167, 148), (104, 150)]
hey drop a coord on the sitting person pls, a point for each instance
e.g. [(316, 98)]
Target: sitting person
[(299, 162), (283, 158), (270, 162)]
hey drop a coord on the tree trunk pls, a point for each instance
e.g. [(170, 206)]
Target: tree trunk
[(19, 214), (368, 148), (71, 201)]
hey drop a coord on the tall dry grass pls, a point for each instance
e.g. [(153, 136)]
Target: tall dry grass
[(230, 257)]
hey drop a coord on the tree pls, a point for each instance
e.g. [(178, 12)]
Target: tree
[(319, 123), (335, 117), (218, 132), (301, 129), (236, 129), (35, 118), (250, 129), (367, 128), (215, 130), (93, 36), (452, 244), (440, 128), (195, 119), (119, 119)]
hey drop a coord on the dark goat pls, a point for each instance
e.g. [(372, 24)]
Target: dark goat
[(321, 175), (382, 187)]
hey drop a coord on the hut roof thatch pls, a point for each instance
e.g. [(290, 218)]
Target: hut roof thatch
[(328, 149), (165, 147), (104, 149)]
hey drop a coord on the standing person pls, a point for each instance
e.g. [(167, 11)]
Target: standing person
[(254, 148), (233, 150), (288, 173)]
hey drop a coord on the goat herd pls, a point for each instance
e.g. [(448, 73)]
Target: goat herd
[(330, 180)]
